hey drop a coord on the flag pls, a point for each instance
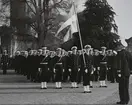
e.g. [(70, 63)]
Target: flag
[(71, 21), (67, 36), (62, 12)]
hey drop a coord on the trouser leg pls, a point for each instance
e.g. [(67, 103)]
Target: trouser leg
[(121, 89), (127, 97)]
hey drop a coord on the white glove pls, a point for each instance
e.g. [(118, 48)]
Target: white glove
[(107, 68), (54, 70), (86, 70), (119, 75), (69, 70), (98, 68), (94, 69), (63, 70), (92, 72), (78, 69), (39, 69)]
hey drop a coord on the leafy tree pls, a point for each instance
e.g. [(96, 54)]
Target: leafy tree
[(97, 24)]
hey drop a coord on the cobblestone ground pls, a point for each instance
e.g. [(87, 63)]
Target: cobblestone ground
[(15, 89)]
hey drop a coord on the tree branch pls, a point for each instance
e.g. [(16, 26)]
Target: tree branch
[(55, 4), (30, 7)]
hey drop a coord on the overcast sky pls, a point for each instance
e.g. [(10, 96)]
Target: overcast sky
[(123, 9)]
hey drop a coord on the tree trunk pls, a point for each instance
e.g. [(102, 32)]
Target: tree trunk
[(40, 39)]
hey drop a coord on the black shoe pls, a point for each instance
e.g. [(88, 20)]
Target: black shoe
[(91, 86), (77, 87), (121, 103), (72, 87), (127, 103), (87, 92), (43, 88), (105, 86), (58, 87), (112, 82)]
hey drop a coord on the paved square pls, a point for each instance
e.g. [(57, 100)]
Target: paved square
[(15, 89)]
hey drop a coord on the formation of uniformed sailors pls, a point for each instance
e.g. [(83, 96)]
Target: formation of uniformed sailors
[(76, 66)]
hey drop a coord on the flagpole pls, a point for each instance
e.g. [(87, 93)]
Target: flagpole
[(79, 32)]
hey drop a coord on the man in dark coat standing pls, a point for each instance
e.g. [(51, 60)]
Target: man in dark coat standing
[(4, 61), (124, 59)]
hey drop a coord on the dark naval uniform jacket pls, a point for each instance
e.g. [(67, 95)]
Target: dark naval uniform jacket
[(58, 66), (44, 68), (124, 62), (73, 63)]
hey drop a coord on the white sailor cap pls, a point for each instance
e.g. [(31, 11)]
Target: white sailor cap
[(109, 50), (96, 50), (26, 51), (91, 49), (115, 52), (59, 49), (22, 51), (69, 51), (74, 48), (17, 51), (40, 50), (47, 50), (34, 50), (44, 48), (87, 46), (103, 47)]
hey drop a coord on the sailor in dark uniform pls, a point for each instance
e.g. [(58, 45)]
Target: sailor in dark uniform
[(58, 68), (91, 56), (17, 61), (25, 63), (65, 60), (80, 73), (103, 67), (51, 66), (114, 67), (30, 63), (87, 68), (34, 66), (4, 61), (74, 67), (110, 72), (44, 69), (39, 59), (69, 64), (109, 61), (96, 64)]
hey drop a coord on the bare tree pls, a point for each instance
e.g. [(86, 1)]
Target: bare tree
[(41, 16), (4, 12)]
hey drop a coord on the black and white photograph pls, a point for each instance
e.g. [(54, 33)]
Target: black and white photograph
[(65, 52)]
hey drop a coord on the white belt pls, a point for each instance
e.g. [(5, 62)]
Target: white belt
[(103, 62), (44, 63), (58, 63)]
